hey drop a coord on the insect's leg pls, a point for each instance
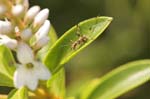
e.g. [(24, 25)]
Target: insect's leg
[(72, 44), (78, 32), (97, 19)]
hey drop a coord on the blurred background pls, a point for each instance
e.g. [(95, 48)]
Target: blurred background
[(125, 40)]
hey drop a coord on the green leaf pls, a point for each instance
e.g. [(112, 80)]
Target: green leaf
[(19, 94), (6, 67), (52, 35), (118, 82), (56, 84), (63, 50), (11, 93)]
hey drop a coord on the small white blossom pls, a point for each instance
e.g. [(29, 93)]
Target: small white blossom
[(5, 27), (18, 10), (10, 43), (26, 34), (42, 35), (40, 18), (24, 53), (29, 72), (31, 13), (41, 42), (26, 4), (3, 9), (21, 26), (44, 29)]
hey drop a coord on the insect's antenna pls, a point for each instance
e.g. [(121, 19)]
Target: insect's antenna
[(78, 31), (97, 18), (64, 45), (71, 41)]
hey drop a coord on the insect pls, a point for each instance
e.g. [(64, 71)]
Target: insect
[(82, 39)]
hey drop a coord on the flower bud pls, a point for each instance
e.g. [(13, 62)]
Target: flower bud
[(26, 34), (31, 13), (24, 53), (44, 30), (41, 42), (3, 9), (40, 18), (10, 43), (42, 35), (18, 10), (26, 4), (19, 1), (5, 27)]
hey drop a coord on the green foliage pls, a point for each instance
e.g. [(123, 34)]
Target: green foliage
[(118, 82), (19, 94), (56, 84), (6, 67), (62, 51)]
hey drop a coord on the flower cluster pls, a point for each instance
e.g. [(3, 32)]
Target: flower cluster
[(25, 31)]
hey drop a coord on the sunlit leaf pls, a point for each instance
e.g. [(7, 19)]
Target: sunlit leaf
[(6, 66), (56, 84), (65, 48), (19, 94), (118, 82)]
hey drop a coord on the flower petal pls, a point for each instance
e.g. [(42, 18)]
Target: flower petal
[(10, 43), (24, 53), (20, 77), (25, 77), (41, 71), (32, 81)]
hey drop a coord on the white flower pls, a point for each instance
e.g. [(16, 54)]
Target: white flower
[(10, 43), (40, 18), (29, 72)]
